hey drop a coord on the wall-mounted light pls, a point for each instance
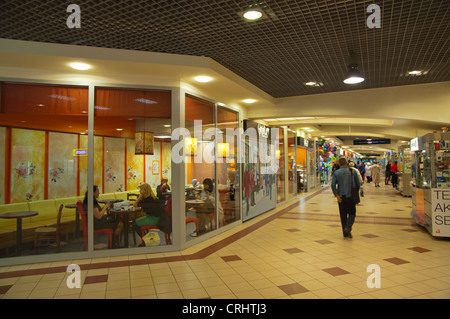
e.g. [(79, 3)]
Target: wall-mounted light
[(223, 149), (190, 146)]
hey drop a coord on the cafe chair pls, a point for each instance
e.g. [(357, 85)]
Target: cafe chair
[(132, 197), (193, 220), (49, 233), (108, 231)]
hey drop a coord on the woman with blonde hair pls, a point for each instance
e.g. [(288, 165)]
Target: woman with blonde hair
[(148, 203)]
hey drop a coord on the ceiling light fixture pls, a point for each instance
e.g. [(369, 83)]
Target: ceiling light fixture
[(249, 101), (253, 15), (354, 76), (79, 66), (415, 72), (311, 83), (203, 79)]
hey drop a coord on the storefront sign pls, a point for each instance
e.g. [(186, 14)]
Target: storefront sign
[(415, 144), (369, 142), (81, 152), (263, 131), (440, 207)]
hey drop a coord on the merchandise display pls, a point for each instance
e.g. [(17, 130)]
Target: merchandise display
[(430, 172), (404, 170)]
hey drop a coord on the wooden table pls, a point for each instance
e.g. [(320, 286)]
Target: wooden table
[(195, 202), (18, 216), (125, 213), (110, 200)]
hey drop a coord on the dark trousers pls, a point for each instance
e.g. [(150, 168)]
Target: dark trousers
[(347, 210)]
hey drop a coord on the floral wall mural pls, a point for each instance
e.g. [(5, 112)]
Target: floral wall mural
[(135, 166), (62, 165), (98, 163), (114, 165), (32, 178), (27, 165)]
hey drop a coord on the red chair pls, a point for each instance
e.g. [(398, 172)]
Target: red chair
[(108, 231), (193, 220)]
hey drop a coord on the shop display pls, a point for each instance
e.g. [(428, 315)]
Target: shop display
[(430, 172), (404, 170)]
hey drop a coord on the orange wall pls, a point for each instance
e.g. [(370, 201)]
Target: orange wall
[(301, 156)]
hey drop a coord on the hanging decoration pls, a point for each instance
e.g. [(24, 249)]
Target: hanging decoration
[(144, 143)]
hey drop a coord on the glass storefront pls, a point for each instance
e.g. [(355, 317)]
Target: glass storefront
[(85, 169), (292, 168), (280, 176)]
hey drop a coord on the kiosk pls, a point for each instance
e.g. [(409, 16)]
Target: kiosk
[(431, 183)]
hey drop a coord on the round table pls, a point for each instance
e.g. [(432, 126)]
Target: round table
[(110, 200), (125, 213), (18, 216)]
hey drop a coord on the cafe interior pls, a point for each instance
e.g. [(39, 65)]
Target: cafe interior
[(59, 139)]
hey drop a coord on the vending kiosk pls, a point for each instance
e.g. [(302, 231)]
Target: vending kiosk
[(430, 184)]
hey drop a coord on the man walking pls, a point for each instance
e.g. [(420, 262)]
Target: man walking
[(344, 179)]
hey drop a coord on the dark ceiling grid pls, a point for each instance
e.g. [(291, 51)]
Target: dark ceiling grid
[(298, 41)]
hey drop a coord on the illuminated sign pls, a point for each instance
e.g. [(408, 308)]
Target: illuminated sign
[(415, 144), (81, 152)]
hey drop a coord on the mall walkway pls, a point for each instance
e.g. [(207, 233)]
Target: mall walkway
[(295, 251)]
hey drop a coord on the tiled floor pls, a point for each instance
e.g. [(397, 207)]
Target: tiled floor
[(295, 251)]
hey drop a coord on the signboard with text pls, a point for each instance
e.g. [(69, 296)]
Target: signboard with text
[(369, 142), (440, 208)]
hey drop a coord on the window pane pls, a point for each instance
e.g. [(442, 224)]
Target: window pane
[(201, 205), (228, 167), (132, 168), (41, 168)]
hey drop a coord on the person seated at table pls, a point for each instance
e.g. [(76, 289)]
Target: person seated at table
[(102, 220), (151, 205), (205, 210), (162, 188)]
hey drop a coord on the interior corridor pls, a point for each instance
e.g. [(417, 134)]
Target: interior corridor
[(295, 251)]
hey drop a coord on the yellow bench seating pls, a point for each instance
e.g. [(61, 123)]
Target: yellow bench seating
[(48, 211)]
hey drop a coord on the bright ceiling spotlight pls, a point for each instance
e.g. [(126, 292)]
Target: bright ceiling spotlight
[(79, 66), (203, 78), (253, 15), (415, 72), (249, 101), (354, 76)]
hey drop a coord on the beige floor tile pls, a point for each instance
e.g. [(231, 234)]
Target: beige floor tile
[(196, 293)]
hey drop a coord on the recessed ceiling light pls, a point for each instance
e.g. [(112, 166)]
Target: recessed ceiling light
[(312, 83), (203, 79), (249, 101), (310, 130), (415, 72), (80, 66), (167, 125), (253, 15), (119, 129)]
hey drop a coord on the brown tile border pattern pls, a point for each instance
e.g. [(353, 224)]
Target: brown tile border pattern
[(197, 255)]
